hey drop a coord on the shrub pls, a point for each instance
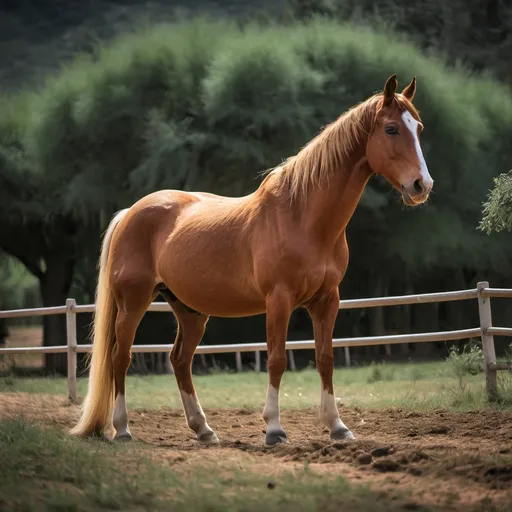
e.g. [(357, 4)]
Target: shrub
[(468, 362)]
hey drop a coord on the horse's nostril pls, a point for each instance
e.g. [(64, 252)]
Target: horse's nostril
[(418, 186)]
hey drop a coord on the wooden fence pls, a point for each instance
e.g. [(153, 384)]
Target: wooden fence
[(486, 331)]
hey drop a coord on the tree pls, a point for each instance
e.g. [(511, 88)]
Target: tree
[(475, 32), (32, 229), (497, 210)]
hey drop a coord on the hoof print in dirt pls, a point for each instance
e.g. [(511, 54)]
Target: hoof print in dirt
[(381, 451), (498, 477), (439, 430), (415, 471), (385, 465), (364, 459)]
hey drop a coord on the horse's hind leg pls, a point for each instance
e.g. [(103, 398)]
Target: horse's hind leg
[(132, 304), (191, 327)]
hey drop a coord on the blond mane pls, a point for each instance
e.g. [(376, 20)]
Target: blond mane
[(330, 150)]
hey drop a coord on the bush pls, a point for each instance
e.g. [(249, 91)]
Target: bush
[(468, 362), (497, 210)]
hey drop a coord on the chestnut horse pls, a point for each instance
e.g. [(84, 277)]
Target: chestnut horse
[(280, 248)]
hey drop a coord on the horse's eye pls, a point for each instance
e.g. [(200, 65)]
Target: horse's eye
[(391, 130)]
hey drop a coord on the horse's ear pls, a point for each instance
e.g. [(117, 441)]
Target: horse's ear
[(410, 90), (389, 90)]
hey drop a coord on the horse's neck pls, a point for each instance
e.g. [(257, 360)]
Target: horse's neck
[(330, 206)]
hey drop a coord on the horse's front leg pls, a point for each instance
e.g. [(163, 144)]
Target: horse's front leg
[(279, 310), (323, 312)]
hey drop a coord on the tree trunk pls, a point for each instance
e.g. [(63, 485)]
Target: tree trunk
[(54, 286)]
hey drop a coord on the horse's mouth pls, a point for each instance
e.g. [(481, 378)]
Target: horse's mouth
[(408, 200)]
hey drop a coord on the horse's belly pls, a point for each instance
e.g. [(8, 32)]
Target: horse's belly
[(215, 284), (217, 298), (207, 262)]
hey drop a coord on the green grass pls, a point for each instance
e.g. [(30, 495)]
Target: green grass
[(43, 469), (419, 386)]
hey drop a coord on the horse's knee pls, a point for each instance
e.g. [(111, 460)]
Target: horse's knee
[(277, 364), (121, 358), (325, 366)]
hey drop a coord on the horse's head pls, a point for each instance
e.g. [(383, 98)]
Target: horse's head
[(394, 149)]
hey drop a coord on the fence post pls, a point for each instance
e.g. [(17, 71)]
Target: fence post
[(484, 311), (71, 337), (291, 359), (257, 361), (347, 356), (238, 359)]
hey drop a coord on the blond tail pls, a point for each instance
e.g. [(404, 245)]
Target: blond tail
[(98, 404)]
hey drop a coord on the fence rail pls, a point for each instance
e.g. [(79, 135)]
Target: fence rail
[(486, 331)]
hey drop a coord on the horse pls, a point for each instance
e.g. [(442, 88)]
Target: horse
[(279, 248)]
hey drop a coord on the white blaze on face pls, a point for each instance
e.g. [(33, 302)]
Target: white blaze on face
[(412, 125)]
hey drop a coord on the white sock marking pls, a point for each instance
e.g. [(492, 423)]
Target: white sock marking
[(271, 411), (120, 420), (329, 412), (196, 418), (412, 125)]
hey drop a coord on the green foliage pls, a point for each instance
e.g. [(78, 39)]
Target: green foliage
[(14, 195), (381, 372), (468, 362), (18, 286), (497, 210), (471, 31)]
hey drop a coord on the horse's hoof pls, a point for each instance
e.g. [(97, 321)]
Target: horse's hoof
[(342, 434), (125, 436), (276, 437), (208, 438)]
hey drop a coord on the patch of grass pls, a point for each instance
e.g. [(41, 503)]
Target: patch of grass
[(381, 372), (467, 363), (44, 470), (505, 388), (424, 386)]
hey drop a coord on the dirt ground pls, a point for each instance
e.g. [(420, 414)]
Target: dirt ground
[(452, 460)]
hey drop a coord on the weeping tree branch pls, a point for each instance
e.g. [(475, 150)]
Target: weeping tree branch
[(26, 244)]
